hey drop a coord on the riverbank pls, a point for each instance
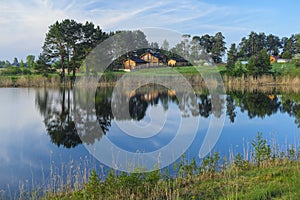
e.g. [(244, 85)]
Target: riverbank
[(193, 76), (33, 81), (267, 174), (273, 182)]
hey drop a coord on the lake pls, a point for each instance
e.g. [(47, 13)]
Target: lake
[(53, 137)]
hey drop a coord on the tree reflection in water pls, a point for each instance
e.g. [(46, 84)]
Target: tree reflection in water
[(57, 106)]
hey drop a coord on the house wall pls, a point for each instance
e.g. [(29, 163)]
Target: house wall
[(272, 59), (129, 64), (149, 58), (172, 63)]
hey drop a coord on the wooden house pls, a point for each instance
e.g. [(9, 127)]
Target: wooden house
[(273, 59), (177, 62), (153, 58), (133, 62)]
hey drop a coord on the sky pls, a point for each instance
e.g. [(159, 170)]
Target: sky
[(24, 23)]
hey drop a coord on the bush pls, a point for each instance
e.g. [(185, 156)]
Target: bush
[(296, 62), (26, 71), (13, 70)]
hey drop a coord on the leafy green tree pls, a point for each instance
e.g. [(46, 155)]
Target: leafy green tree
[(22, 65), (290, 44), (231, 57), (70, 42), (154, 45), (286, 55), (30, 61), (2, 63), (43, 65), (6, 64), (273, 45), (264, 61), (252, 43), (218, 47), (251, 67), (165, 45), (196, 51), (182, 49), (206, 41), (259, 64), (15, 62), (121, 46), (256, 42), (91, 36), (239, 69), (243, 49), (55, 46), (298, 44)]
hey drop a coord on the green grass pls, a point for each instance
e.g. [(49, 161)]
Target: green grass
[(286, 69), (280, 181), (277, 176)]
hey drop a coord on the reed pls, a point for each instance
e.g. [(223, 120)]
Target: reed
[(265, 174)]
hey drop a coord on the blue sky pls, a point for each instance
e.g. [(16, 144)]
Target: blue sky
[(24, 23)]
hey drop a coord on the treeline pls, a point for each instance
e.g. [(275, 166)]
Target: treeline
[(257, 48), (67, 44)]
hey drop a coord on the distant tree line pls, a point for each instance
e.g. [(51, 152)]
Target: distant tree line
[(256, 49), (67, 44)]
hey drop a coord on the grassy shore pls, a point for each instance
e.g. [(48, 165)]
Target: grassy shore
[(267, 174), (283, 75)]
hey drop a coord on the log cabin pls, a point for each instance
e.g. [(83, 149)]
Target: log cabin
[(153, 58), (177, 62), (133, 62)]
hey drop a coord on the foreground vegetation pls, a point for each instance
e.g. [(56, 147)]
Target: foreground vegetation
[(267, 174)]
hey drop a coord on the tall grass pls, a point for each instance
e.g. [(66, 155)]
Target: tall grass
[(33, 81), (266, 174)]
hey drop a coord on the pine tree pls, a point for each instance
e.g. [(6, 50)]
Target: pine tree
[(231, 57), (218, 47)]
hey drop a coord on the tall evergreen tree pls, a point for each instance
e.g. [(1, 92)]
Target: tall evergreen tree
[(290, 44), (206, 41), (259, 64), (43, 65), (231, 57), (273, 44), (218, 47)]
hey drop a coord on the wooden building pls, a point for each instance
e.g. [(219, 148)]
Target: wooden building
[(177, 62), (133, 62), (273, 59), (153, 58)]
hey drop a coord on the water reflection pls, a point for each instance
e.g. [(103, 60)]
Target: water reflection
[(258, 104), (57, 106), (46, 116)]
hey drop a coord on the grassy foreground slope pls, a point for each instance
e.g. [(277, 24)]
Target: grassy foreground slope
[(273, 182), (266, 175)]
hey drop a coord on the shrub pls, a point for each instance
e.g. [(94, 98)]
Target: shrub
[(262, 151)]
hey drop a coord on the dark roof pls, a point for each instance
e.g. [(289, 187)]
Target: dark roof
[(179, 59), (137, 60)]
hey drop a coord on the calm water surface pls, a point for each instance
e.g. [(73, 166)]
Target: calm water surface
[(39, 137)]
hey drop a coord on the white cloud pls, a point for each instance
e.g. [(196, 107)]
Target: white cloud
[(25, 23)]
